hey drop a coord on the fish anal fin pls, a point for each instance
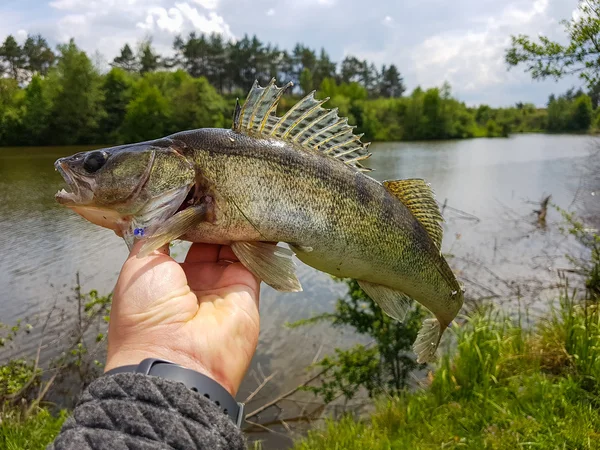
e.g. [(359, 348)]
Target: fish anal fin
[(428, 340), (418, 197), (174, 227), (272, 264), (306, 124), (394, 303)]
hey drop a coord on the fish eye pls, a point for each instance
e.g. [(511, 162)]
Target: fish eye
[(94, 161)]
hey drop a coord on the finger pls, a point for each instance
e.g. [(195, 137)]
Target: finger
[(199, 253), (226, 254), (138, 244), (143, 279), (210, 276)]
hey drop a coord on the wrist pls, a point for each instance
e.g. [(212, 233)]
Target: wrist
[(127, 357), (194, 381)]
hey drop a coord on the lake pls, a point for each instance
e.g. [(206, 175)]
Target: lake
[(491, 237)]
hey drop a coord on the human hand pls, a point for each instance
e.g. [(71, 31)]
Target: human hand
[(201, 314)]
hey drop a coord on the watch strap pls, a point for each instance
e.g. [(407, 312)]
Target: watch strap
[(193, 380)]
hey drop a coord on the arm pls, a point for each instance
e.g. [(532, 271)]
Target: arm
[(203, 315), (127, 410)]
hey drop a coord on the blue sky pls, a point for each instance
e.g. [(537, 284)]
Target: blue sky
[(461, 41)]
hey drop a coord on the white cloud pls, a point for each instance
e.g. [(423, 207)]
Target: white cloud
[(170, 21), (213, 23), (429, 40), (67, 4), (106, 25), (473, 60), (208, 4)]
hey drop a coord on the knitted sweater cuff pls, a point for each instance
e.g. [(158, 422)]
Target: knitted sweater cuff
[(129, 410)]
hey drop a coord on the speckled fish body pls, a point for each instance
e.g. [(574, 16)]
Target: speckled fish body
[(288, 180)]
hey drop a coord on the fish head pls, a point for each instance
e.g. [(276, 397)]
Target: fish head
[(142, 183)]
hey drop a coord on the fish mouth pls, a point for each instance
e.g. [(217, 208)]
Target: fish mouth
[(79, 191)]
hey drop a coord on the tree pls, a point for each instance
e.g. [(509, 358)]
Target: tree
[(149, 61), (306, 80), (198, 105), (391, 82), (324, 68), (116, 89), (351, 70), (10, 112), (550, 59), (147, 114), (76, 97), (594, 93), (11, 54), (37, 112), (582, 112), (38, 55), (126, 60)]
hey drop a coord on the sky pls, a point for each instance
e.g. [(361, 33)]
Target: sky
[(430, 41)]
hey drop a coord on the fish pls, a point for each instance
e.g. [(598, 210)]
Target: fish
[(298, 178)]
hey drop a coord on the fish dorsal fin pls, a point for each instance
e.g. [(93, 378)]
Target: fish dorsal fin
[(417, 196), (307, 124)]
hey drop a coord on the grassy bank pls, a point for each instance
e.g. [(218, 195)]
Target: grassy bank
[(503, 387)]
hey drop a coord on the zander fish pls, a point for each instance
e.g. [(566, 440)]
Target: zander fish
[(295, 179)]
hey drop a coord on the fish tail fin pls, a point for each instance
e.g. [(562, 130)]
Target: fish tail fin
[(428, 340)]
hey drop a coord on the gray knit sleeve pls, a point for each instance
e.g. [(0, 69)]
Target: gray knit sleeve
[(134, 411)]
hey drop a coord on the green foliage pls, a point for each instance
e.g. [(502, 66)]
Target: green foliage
[(116, 93), (392, 84), (587, 265), (306, 80), (503, 386), (76, 98), (495, 392), (198, 105), (15, 376), (13, 57), (37, 110), (32, 433), (38, 55), (431, 114), (147, 115), (126, 60), (68, 102), (570, 112), (552, 59), (385, 366), (149, 61)]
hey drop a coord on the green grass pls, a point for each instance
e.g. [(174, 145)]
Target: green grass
[(502, 388), (35, 432)]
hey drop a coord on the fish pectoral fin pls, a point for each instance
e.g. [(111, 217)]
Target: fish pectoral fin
[(394, 303), (428, 340), (272, 264), (174, 227)]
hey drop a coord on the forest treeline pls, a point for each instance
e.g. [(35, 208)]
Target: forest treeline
[(60, 97)]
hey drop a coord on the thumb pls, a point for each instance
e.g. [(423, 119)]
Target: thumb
[(146, 282)]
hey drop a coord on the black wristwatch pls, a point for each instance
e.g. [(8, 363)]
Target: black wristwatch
[(193, 380)]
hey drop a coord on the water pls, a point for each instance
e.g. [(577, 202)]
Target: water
[(490, 236)]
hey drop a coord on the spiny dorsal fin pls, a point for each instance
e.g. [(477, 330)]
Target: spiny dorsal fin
[(307, 124), (417, 196)]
